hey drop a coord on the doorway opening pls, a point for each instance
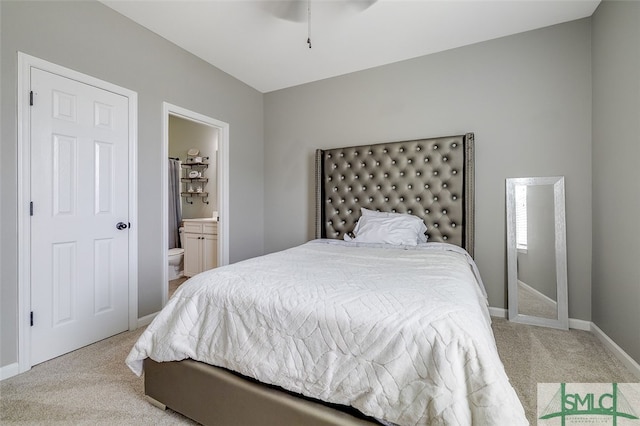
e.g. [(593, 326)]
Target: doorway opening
[(195, 195)]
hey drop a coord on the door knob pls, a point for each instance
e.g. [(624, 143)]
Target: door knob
[(121, 225)]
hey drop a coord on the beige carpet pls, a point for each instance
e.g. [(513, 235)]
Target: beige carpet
[(533, 355), (92, 386)]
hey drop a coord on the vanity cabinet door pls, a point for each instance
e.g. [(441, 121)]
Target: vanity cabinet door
[(209, 251), (192, 254)]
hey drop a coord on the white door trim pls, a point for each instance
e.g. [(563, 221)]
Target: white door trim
[(222, 181), (25, 63)]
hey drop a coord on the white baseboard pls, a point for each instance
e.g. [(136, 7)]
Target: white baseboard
[(619, 353), (580, 324), (9, 371), (498, 312), (146, 320)]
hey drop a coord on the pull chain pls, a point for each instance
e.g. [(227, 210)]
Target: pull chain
[(309, 23)]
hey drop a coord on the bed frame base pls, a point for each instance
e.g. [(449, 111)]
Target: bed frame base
[(211, 395)]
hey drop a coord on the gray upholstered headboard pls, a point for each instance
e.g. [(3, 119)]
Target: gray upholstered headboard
[(430, 178)]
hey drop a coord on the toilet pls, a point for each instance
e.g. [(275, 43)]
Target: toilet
[(175, 267)]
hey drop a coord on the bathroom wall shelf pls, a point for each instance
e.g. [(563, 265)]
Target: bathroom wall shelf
[(202, 195), (191, 165), (195, 185), (190, 162), (200, 179)]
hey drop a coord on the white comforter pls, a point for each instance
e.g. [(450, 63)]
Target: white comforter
[(401, 334)]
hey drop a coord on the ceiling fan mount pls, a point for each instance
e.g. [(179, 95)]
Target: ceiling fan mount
[(300, 10), (297, 10)]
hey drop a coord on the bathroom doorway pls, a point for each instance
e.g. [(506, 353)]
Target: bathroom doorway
[(195, 192)]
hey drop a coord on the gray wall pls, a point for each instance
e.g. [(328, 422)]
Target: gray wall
[(616, 175), (93, 39), (527, 97)]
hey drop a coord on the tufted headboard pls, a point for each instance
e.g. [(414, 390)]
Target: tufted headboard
[(430, 178)]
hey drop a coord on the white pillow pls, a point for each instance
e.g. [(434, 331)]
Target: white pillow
[(389, 228), (422, 238)]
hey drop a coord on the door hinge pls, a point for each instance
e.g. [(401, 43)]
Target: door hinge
[(31, 208), (31, 318), (31, 98)]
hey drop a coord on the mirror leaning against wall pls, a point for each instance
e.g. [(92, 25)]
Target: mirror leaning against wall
[(536, 251)]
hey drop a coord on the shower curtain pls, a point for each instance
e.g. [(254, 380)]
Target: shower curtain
[(175, 203)]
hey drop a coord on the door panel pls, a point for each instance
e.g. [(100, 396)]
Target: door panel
[(104, 169), (103, 282), (79, 187), (64, 283), (64, 175)]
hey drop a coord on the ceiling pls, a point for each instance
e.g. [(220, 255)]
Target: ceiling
[(252, 42)]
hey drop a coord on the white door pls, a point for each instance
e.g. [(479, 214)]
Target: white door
[(79, 190)]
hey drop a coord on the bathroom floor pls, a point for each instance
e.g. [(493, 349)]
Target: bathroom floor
[(174, 284)]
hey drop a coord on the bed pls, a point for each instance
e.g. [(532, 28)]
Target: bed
[(337, 332)]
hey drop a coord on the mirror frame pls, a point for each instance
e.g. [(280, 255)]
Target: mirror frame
[(562, 321)]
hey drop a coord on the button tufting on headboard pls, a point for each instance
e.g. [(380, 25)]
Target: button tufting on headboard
[(421, 177)]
